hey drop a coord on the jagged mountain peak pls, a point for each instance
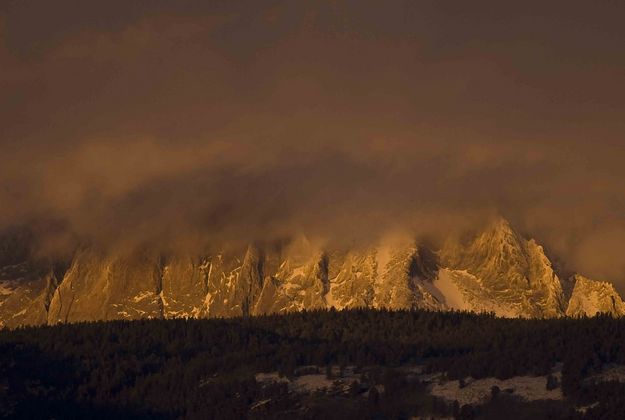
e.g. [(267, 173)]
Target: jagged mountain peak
[(494, 251), (499, 237), (501, 227), (500, 270), (590, 297), (497, 270)]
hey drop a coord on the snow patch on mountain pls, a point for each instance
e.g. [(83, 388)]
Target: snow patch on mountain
[(445, 289)]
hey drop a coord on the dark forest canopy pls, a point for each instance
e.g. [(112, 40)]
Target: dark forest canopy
[(155, 367)]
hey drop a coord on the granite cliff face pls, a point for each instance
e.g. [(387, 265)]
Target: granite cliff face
[(25, 294), (401, 286), (591, 297), (27, 283), (502, 272), (102, 287), (496, 271)]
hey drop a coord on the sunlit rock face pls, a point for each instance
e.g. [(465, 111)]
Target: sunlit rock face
[(233, 283), (25, 294), (352, 278), (591, 297), (184, 287), (26, 284), (300, 280), (101, 287), (402, 284), (501, 272), (496, 271)]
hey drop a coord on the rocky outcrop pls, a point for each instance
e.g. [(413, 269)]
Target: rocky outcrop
[(299, 282), (102, 287), (184, 287), (25, 294), (592, 297), (400, 286), (27, 283), (352, 276)]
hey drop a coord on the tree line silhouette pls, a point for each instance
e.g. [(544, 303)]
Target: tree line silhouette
[(206, 368)]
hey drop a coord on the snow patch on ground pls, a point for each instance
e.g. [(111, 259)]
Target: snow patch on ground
[(310, 383), (474, 391), (270, 377), (477, 391), (609, 373)]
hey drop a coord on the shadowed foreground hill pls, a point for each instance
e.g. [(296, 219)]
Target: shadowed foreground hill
[(207, 368)]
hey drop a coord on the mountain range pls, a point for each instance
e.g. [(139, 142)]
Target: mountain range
[(497, 270)]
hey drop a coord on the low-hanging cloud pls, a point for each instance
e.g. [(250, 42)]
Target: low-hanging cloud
[(177, 124)]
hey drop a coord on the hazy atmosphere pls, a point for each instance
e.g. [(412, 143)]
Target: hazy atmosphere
[(176, 122)]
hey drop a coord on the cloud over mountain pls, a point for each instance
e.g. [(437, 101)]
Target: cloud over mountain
[(174, 124)]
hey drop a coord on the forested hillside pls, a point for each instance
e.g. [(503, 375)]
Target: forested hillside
[(207, 368)]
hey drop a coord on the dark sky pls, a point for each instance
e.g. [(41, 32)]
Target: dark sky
[(172, 122)]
